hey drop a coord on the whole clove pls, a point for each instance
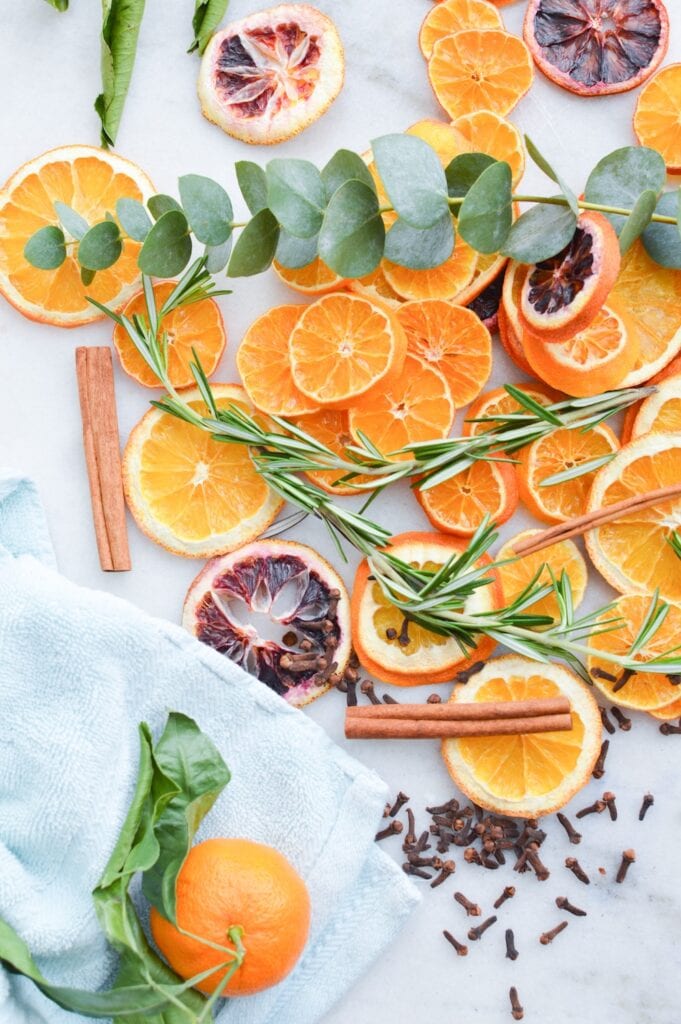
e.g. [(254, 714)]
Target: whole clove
[(387, 699), (507, 894), (458, 946), (400, 800), (351, 692), (472, 909), (511, 951), (648, 801), (599, 768), (467, 673), (517, 1011), (628, 858), (391, 634), (471, 856), (367, 688), (479, 930), (546, 937), (624, 678), (403, 638), (540, 870), (605, 719), (434, 698), (609, 801), (600, 673), (623, 722), (412, 869), (446, 808), (597, 807), (667, 729), (448, 868), (392, 829), (563, 903), (577, 870), (573, 835)]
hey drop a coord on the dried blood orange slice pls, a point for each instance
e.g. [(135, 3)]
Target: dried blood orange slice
[(595, 47), (279, 610), (268, 76), (564, 294), (486, 304)]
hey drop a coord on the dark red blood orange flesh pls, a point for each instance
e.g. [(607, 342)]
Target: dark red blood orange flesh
[(486, 304)]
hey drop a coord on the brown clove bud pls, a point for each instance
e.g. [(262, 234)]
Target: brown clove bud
[(577, 870), (605, 719), (597, 807), (458, 946), (540, 870), (628, 858), (667, 729), (367, 688), (479, 930), (563, 903), (472, 909), (517, 1011), (434, 698), (599, 768), (546, 937), (624, 678), (573, 835), (511, 951), (448, 868), (648, 801), (351, 692), (400, 800), (387, 699), (392, 829), (471, 856), (609, 801), (623, 722), (507, 894)]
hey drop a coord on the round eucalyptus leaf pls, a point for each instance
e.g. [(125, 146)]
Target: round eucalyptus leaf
[(345, 166), (663, 241), (295, 252), (638, 220), (541, 232), (352, 237), (420, 248), (217, 256), (413, 178), (620, 178), (296, 196), (72, 221), (133, 218), (160, 204), (207, 207), (486, 214), (256, 246), (464, 170), (46, 249), (253, 184), (101, 246), (167, 248)]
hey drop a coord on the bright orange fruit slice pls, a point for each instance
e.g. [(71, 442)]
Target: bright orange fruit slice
[(487, 268), (90, 180), (490, 133), (331, 427), (443, 282), (451, 16), (314, 279), (661, 412), (563, 557), (657, 118), (265, 367), (498, 402), (510, 327), (480, 69), (460, 504), (375, 286)]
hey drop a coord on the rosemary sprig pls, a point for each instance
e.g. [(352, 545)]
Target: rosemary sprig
[(674, 541)]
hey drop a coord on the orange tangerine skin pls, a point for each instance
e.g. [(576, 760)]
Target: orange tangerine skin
[(468, 489), (659, 102)]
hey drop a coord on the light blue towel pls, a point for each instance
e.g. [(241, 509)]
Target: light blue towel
[(78, 670)]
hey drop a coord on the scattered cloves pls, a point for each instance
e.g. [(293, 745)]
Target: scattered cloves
[(507, 894), (412, 869), (434, 698), (410, 837), (623, 722), (387, 699), (467, 673), (517, 1011), (400, 800), (540, 870), (573, 835), (577, 870), (667, 729), (597, 807), (367, 688), (563, 903), (546, 937), (351, 692), (626, 675), (472, 909), (600, 673), (392, 829), (628, 857), (458, 946), (648, 801), (448, 868), (605, 719), (609, 801), (479, 930), (511, 951), (599, 768)]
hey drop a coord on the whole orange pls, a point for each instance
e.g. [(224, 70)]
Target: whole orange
[(227, 882)]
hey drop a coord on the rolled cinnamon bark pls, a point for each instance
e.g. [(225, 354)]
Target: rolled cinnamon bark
[(359, 727)]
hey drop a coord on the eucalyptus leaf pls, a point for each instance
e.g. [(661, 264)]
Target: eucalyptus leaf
[(295, 252), (162, 203), (345, 166), (619, 179), (638, 220), (543, 164), (100, 246), (207, 16), (121, 20), (217, 256), (87, 276), (663, 241), (70, 220), (420, 249), (486, 214), (207, 207), (133, 218), (256, 246), (59, 5), (253, 184), (167, 248), (539, 233), (296, 196), (46, 249), (464, 170), (352, 237), (413, 178)]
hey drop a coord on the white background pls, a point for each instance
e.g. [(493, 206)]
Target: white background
[(621, 962)]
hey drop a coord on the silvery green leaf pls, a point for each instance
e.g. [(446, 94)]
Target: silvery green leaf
[(72, 221), (548, 170), (207, 16), (133, 218), (486, 213), (296, 196), (207, 207), (464, 170), (638, 220), (46, 248), (345, 166), (413, 178), (168, 246), (162, 203), (217, 256), (352, 237), (295, 252), (100, 246), (420, 248), (253, 184), (539, 233), (619, 178), (256, 246), (663, 241)]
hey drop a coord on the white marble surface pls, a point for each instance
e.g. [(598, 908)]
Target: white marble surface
[(620, 963)]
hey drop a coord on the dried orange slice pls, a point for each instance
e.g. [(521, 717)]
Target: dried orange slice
[(563, 295), (633, 553), (490, 133), (489, 270), (443, 137), (644, 691), (331, 427), (480, 69), (657, 120), (510, 327), (194, 496), (650, 298), (454, 340), (529, 775), (451, 16), (314, 279), (194, 328), (668, 713), (497, 402), (91, 181), (460, 504), (265, 367), (599, 47), (375, 286), (560, 452), (443, 282), (415, 405), (270, 75), (405, 653), (515, 576), (343, 348), (661, 412), (593, 361)]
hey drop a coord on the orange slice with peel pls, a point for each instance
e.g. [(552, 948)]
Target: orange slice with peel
[(375, 286), (510, 327), (633, 553), (264, 365), (197, 328), (528, 775), (491, 133), (454, 340), (661, 412), (192, 495), (487, 268), (516, 575), (343, 348), (498, 402), (480, 69), (331, 427), (443, 282), (459, 505), (90, 180), (657, 120), (313, 279), (643, 691), (451, 16), (410, 655)]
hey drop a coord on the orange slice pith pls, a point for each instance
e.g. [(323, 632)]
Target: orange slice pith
[(528, 775), (490, 133), (314, 279), (510, 327), (557, 452), (415, 405), (498, 402), (197, 327), (375, 286), (656, 118), (454, 340), (650, 298), (480, 69), (460, 504), (451, 16), (331, 427), (644, 691), (91, 181), (487, 268), (633, 553), (195, 496), (427, 657), (561, 557), (661, 412), (342, 349), (443, 282), (264, 366)]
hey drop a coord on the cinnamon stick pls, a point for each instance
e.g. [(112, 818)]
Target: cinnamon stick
[(358, 727), (94, 370), (597, 517), (455, 711)]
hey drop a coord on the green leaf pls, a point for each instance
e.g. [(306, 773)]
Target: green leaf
[(253, 184), (59, 5), (619, 178), (256, 246), (663, 241), (638, 220), (217, 256), (207, 16), (486, 213), (46, 248), (541, 232), (543, 164), (87, 276), (412, 177), (71, 221), (296, 196), (167, 248), (295, 252), (352, 237), (345, 166), (464, 170), (420, 249), (160, 204), (133, 218), (101, 246), (207, 207), (121, 20), (193, 763)]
